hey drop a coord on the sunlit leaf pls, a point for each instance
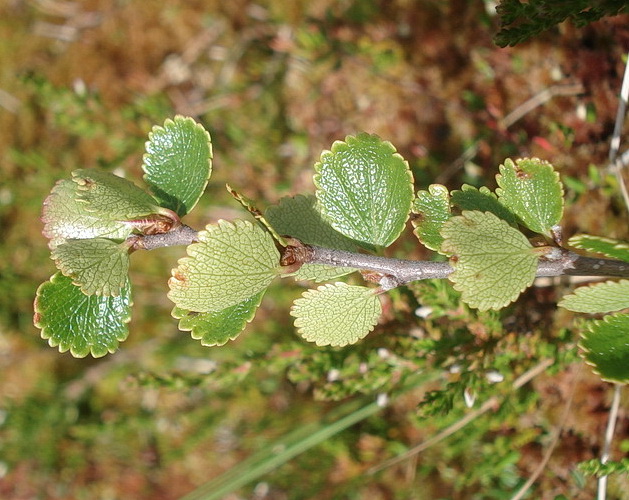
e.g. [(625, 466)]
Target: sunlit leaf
[(605, 346), (493, 262), (606, 246), (336, 314), (230, 264), (300, 218), (98, 266), (217, 328), (599, 298), (482, 200), (82, 324), (531, 189), (178, 163), (365, 189), (432, 209), (65, 217), (111, 197)]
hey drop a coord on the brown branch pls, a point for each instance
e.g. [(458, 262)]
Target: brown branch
[(394, 272)]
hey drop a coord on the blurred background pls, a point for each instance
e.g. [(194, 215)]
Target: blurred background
[(275, 83)]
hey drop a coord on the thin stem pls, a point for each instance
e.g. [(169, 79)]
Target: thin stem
[(619, 162), (553, 442), (180, 235), (395, 272), (402, 271), (609, 435)]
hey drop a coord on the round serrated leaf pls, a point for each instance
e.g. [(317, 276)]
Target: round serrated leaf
[(599, 298), (300, 218), (80, 323), (493, 262), (65, 217), (365, 189), (98, 266), (605, 246), (605, 347), (217, 328), (112, 197), (178, 163), (531, 189), (229, 264), (432, 209), (336, 314)]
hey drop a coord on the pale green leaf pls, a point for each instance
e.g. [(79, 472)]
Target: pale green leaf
[(365, 189), (432, 209), (230, 264), (599, 298), (98, 266), (606, 246), (65, 217), (112, 197), (482, 200), (336, 314), (493, 262), (217, 328), (531, 189), (300, 218), (82, 324), (178, 163), (605, 347)]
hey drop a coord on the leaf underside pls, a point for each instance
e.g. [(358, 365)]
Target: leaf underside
[(598, 298), (231, 263), (65, 217), (111, 197), (81, 324), (178, 163), (365, 189), (336, 314), (493, 262), (98, 266), (605, 346)]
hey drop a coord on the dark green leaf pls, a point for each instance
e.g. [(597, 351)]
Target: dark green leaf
[(80, 323), (178, 163)]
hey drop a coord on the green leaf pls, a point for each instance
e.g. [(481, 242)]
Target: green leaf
[(230, 264), (531, 189), (300, 218), (606, 246), (98, 266), (493, 262), (432, 208), (65, 217), (599, 298), (217, 328), (605, 347), (112, 197), (80, 323), (249, 206), (336, 314), (178, 163), (365, 189), (482, 200)]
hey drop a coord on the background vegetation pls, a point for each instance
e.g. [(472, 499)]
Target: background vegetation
[(81, 83)]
